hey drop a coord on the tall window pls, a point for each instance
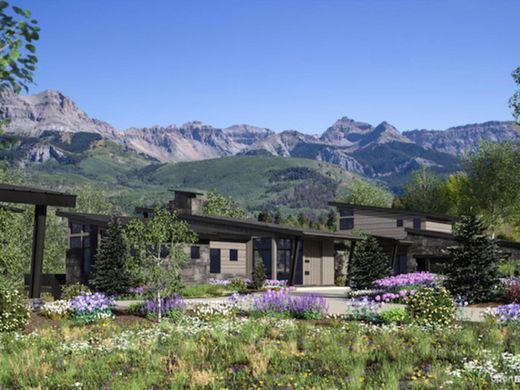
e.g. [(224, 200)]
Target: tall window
[(417, 223), (283, 258)]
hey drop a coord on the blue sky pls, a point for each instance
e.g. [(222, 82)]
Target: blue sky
[(281, 64)]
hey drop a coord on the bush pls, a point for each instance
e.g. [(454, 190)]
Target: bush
[(258, 275), (239, 284), (71, 291), (509, 268), (431, 307), (14, 311), (397, 315), (513, 292)]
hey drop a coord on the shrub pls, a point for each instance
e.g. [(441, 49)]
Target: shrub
[(71, 291), (239, 284), (509, 268), (431, 307), (89, 308), (169, 307), (14, 311), (513, 292), (369, 263), (363, 309), (57, 310), (258, 275), (396, 315)]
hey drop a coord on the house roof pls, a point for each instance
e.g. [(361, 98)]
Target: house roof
[(37, 196), (441, 217), (450, 236), (221, 227)]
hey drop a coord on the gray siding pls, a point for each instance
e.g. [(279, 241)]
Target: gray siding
[(381, 224)]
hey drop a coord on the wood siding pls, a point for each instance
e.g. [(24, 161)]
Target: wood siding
[(328, 263), (380, 223), (227, 266), (438, 226)]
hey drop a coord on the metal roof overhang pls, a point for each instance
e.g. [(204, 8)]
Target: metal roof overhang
[(35, 196)]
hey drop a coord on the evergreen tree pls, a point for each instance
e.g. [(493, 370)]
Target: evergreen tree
[(258, 278), (472, 271), (369, 263), (278, 217), (332, 219), (111, 274)]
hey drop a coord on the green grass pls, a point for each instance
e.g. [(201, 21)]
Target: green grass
[(206, 291), (255, 353)]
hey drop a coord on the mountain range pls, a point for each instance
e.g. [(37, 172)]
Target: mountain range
[(47, 125)]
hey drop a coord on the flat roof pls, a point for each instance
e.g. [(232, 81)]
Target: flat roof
[(443, 217), (37, 196)]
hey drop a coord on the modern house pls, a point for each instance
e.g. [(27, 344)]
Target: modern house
[(416, 241), (227, 247)]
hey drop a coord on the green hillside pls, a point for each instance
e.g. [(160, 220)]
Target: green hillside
[(259, 182)]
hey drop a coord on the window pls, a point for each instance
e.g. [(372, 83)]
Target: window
[(75, 242), (283, 258), (346, 223), (195, 252), (417, 223), (346, 212), (233, 255), (75, 228), (399, 223), (214, 261)]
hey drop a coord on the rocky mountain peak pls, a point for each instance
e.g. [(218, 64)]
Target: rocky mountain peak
[(346, 131)]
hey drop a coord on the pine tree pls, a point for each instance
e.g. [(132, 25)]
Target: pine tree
[(472, 271), (369, 263), (111, 274)]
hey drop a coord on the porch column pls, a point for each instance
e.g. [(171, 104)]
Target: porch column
[(295, 248), (40, 214), (350, 256)]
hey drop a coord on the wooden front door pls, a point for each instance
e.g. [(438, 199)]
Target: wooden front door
[(312, 263)]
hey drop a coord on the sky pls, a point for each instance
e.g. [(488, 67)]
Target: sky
[(280, 64)]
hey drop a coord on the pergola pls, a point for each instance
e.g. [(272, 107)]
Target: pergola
[(40, 199)]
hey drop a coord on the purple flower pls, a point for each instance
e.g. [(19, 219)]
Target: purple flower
[(90, 303), (279, 301), (168, 304), (415, 278)]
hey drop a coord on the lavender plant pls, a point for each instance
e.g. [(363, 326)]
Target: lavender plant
[(169, 307), (279, 302)]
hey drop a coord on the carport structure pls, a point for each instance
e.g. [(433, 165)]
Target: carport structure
[(40, 199)]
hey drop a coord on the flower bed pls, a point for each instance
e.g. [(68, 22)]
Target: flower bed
[(170, 306), (279, 302), (89, 308)]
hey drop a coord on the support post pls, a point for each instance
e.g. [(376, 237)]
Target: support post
[(394, 257), (295, 248), (40, 214)]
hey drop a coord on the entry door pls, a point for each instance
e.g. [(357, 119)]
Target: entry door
[(214, 261), (312, 263)]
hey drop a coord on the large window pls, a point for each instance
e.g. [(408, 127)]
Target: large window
[(262, 251), (283, 258)]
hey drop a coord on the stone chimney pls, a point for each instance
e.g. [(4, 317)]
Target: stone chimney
[(187, 202)]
